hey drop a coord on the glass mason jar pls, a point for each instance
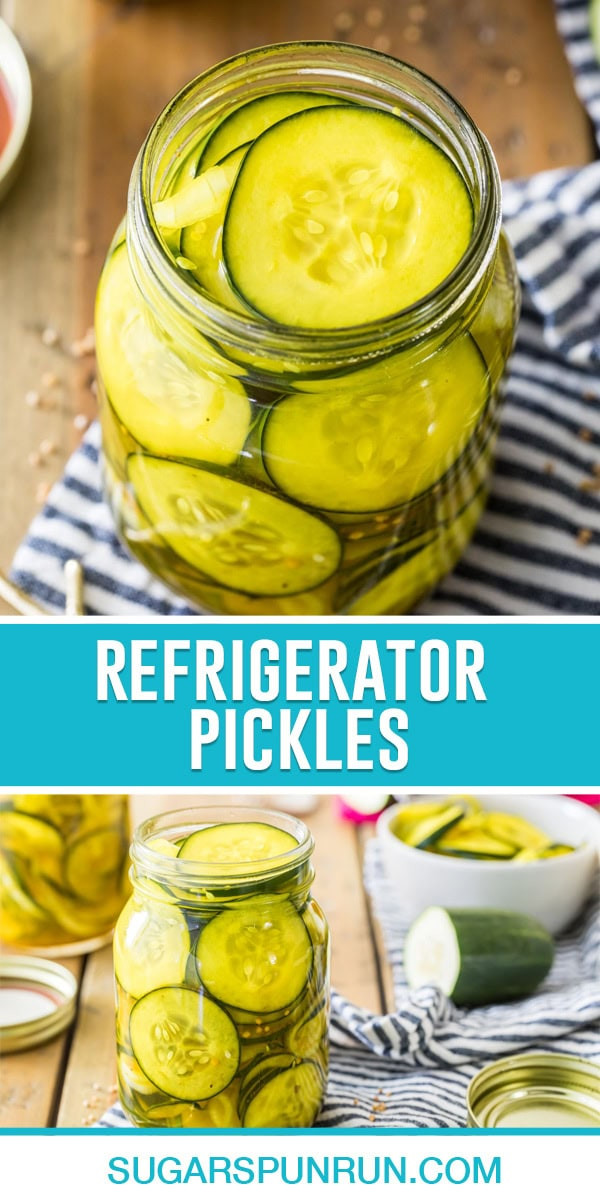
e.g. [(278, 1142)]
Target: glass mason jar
[(259, 467), (63, 871), (222, 973)]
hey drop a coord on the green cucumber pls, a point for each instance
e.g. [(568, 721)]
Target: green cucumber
[(342, 216), (240, 536), (477, 956), (358, 450), (288, 1099), (250, 120), (238, 842), (256, 956), (184, 1043), (152, 943)]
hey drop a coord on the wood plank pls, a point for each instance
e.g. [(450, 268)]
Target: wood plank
[(365, 833), (37, 279), (31, 1080), (90, 1078)]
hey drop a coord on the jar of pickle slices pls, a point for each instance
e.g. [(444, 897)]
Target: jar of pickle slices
[(63, 870), (301, 331), (222, 973)]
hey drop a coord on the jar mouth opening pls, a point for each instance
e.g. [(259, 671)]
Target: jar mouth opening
[(345, 69), (180, 823)]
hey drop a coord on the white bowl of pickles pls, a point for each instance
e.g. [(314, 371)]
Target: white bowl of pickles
[(535, 855)]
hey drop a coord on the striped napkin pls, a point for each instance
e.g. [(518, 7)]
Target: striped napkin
[(537, 547), (412, 1067)]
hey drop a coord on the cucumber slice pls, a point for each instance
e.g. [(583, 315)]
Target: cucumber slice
[(251, 119), (477, 956), (306, 1039), (256, 956), (265, 1065), (35, 839), (184, 1043), (358, 451), (243, 842), (427, 831), (71, 915), (201, 246), (151, 944), (93, 863), (20, 916), (473, 843), (168, 406), (288, 1100), (341, 216), (242, 537)]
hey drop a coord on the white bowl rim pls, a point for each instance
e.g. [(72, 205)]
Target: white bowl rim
[(448, 862), (21, 96)]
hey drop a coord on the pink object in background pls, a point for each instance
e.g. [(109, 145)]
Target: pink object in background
[(589, 798), (362, 807)]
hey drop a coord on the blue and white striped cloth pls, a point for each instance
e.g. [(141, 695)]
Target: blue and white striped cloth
[(537, 548), (412, 1067)]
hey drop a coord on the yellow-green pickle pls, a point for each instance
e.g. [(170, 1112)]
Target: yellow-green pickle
[(301, 330), (63, 870), (222, 974)]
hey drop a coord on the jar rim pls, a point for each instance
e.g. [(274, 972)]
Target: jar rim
[(409, 325), (151, 862)]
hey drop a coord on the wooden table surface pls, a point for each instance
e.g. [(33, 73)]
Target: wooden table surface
[(102, 70), (71, 1080)]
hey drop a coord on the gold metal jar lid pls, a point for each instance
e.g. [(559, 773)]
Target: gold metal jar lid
[(37, 1001), (535, 1091)]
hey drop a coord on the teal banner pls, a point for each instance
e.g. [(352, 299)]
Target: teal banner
[(221, 704)]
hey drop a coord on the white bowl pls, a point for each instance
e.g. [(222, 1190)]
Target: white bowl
[(553, 890), (15, 73)]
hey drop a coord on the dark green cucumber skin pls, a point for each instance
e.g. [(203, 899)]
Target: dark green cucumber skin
[(503, 955)]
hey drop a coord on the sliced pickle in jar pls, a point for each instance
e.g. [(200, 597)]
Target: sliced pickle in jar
[(94, 862), (20, 916), (256, 956), (33, 838), (202, 250), (351, 449), (334, 220), (168, 405), (184, 1043), (307, 1036), (242, 537), (237, 842), (288, 1099), (250, 120), (152, 943)]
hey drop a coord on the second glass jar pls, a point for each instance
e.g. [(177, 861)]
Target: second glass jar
[(222, 973)]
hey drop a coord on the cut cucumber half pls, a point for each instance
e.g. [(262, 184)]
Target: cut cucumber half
[(240, 536), (256, 956), (151, 944), (240, 842), (342, 216), (184, 1043), (201, 247), (93, 863), (290, 1099), (249, 121), (360, 451), (169, 406), (477, 956)]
